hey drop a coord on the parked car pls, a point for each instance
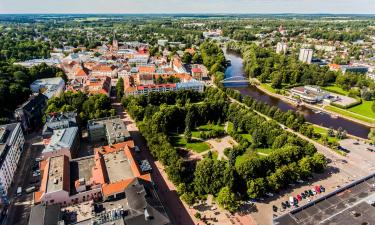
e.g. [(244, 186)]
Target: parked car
[(283, 205), (291, 200), (322, 189), (317, 189), (274, 208), (299, 197), (38, 159), (311, 193), (269, 194)]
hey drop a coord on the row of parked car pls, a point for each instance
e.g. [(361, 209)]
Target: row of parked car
[(293, 201)]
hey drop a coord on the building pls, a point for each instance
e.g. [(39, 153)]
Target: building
[(162, 42), (310, 94), (305, 55), (30, 113), (191, 85), (65, 182), (104, 70), (281, 47), (98, 85), (58, 121), (351, 204), (11, 147), (177, 65), (126, 195), (45, 215), (50, 87), (354, 69), (111, 129), (62, 142), (146, 89), (197, 73)]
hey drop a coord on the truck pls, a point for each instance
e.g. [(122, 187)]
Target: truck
[(19, 191)]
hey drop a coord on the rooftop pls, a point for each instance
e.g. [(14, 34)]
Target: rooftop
[(58, 174), (62, 138)]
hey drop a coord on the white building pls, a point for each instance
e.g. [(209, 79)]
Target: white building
[(162, 42), (50, 87), (11, 146), (281, 47), (305, 55)]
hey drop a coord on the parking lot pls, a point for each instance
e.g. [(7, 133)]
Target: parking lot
[(359, 162)]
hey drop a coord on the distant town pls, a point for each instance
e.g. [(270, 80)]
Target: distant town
[(204, 119)]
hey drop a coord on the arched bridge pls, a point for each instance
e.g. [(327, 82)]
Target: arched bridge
[(236, 80)]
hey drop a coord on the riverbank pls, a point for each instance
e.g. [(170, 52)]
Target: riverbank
[(314, 107)]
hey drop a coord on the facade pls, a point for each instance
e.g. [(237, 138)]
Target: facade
[(98, 85), (11, 147), (305, 55), (281, 48), (104, 70), (146, 89), (111, 129), (310, 94), (191, 85), (31, 112), (62, 142), (355, 69), (50, 87), (58, 121)]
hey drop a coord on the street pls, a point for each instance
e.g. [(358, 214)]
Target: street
[(165, 189), (19, 209)]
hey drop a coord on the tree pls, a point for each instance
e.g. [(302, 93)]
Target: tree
[(330, 132), (371, 135), (256, 188), (187, 57), (227, 199), (120, 88), (187, 135)]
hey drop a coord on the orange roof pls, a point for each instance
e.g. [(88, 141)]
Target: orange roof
[(334, 66), (146, 69), (103, 68), (190, 50), (109, 189), (80, 73)]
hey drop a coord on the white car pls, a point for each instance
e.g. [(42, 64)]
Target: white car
[(137, 149), (269, 194)]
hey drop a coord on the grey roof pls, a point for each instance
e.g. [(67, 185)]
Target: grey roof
[(44, 215), (144, 207), (34, 103), (59, 121), (62, 138)]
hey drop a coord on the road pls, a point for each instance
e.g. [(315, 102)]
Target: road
[(19, 209), (174, 207)]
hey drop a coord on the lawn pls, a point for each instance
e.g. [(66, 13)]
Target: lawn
[(268, 87), (323, 132), (244, 135), (215, 155), (336, 89), (196, 145), (359, 108), (364, 109), (249, 152), (207, 127)]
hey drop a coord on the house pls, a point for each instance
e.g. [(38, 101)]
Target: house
[(146, 89), (50, 87), (63, 142), (197, 73), (30, 113), (57, 121), (191, 85), (45, 215)]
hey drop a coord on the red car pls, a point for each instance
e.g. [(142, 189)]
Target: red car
[(299, 197), (317, 189)]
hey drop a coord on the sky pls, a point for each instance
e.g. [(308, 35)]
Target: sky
[(188, 6)]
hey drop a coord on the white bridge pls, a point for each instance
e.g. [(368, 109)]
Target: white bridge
[(235, 79)]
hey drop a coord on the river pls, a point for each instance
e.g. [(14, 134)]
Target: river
[(322, 119)]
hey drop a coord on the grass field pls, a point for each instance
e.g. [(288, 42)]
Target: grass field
[(364, 109), (268, 87), (207, 127), (249, 152), (196, 145), (215, 155), (355, 114), (335, 89), (244, 135)]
